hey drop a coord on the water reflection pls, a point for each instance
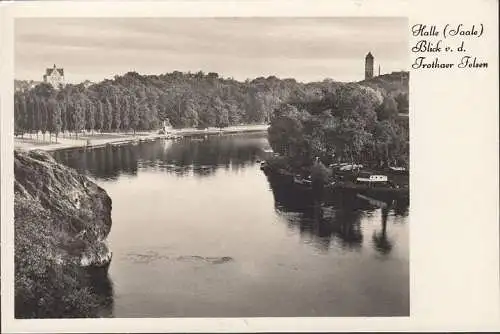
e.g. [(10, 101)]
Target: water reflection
[(335, 221), (234, 218), (189, 156), (382, 243), (101, 286)]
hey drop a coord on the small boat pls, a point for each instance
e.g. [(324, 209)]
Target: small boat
[(370, 178), (397, 169), (302, 181), (385, 190), (348, 167)]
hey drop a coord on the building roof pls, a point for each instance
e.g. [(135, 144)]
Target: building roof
[(49, 71), (369, 55)]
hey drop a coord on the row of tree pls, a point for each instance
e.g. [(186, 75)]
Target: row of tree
[(36, 113), (135, 102)]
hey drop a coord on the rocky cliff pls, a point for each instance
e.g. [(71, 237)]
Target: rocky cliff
[(62, 220)]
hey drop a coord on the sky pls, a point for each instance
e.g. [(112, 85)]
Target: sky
[(307, 49)]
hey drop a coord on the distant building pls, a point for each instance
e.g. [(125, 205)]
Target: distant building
[(369, 66), (54, 76)]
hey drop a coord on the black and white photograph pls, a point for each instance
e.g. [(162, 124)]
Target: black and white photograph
[(211, 167), (249, 166)]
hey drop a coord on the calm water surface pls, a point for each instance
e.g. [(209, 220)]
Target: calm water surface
[(199, 231)]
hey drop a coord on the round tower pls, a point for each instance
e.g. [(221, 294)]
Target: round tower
[(369, 66)]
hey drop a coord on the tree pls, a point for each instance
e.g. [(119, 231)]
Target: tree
[(44, 114), (30, 110), (153, 116), (286, 135), (388, 109), (89, 116), (51, 121), (70, 116), (144, 115), (222, 120), (116, 114), (125, 113), (63, 107), (79, 117), (99, 116), (37, 116), (20, 114), (57, 119), (134, 114), (108, 115), (402, 102)]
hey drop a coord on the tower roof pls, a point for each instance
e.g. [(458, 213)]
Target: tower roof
[(369, 55)]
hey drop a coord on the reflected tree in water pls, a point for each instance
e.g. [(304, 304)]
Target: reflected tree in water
[(337, 217), (185, 157), (380, 240), (317, 221)]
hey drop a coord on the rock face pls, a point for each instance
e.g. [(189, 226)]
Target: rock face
[(79, 209), (62, 220)]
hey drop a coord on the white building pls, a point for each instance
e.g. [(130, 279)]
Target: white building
[(54, 76)]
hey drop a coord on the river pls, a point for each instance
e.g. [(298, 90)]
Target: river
[(199, 231)]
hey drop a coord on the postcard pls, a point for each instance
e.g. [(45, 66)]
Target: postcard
[(199, 166)]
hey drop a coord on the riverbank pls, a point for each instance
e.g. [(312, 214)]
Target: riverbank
[(113, 138), (345, 182)]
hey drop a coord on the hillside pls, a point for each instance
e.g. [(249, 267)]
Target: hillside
[(395, 84)]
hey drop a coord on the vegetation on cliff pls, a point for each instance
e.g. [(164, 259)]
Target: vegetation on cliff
[(61, 217)]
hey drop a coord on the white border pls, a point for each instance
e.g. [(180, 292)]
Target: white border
[(454, 224)]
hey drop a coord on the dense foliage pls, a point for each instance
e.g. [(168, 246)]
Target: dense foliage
[(142, 102), (352, 123), (43, 287)]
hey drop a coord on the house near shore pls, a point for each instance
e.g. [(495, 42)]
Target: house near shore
[(54, 76)]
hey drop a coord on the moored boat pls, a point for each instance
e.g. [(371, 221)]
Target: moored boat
[(302, 181), (380, 191)]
